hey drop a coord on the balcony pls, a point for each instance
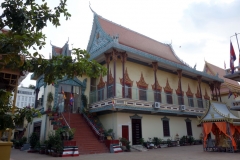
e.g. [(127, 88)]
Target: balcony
[(233, 76), (140, 99), (235, 105)]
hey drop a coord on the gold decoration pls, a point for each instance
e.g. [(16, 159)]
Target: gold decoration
[(206, 95), (168, 88), (111, 79), (142, 83), (198, 93), (159, 88), (189, 92), (127, 79), (101, 84)]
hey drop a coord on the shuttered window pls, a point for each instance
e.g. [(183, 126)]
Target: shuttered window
[(189, 128), (166, 131), (169, 98), (157, 96), (142, 94)]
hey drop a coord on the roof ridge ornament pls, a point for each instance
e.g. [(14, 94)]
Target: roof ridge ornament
[(91, 8)]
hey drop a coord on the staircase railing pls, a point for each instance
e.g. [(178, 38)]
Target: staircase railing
[(65, 121), (99, 135)]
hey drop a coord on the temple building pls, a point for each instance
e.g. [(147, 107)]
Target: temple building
[(148, 90)]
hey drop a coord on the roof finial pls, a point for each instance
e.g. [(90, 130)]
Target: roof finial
[(51, 43), (67, 40), (91, 8)]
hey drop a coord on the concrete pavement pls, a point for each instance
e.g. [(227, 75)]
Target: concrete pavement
[(194, 152)]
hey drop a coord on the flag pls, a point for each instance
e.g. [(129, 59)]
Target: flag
[(232, 57), (71, 100), (224, 65), (230, 94)]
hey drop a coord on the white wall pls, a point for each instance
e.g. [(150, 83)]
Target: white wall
[(151, 125)]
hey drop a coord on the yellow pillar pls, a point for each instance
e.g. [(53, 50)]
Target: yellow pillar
[(5, 147)]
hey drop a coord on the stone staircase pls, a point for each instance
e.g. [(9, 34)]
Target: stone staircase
[(86, 140), (139, 148)]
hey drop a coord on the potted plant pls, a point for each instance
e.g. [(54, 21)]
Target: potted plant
[(108, 134), (125, 144), (34, 139), (156, 141), (142, 141)]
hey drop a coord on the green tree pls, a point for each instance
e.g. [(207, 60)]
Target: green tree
[(31, 86), (23, 22)]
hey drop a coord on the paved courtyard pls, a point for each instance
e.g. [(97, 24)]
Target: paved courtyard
[(194, 152)]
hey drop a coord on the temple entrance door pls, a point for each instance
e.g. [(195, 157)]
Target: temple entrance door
[(136, 131), (125, 132)]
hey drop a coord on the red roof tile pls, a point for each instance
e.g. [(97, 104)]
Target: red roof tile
[(138, 41), (58, 50)]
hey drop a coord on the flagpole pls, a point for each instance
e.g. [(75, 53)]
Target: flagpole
[(238, 49)]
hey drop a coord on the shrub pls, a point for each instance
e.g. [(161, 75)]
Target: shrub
[(34, 139)]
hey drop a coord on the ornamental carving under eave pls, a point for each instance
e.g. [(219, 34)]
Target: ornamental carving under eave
[(168, 89), (142, 83), (198, 95), (111, 79), (128, 81), (206, 95), (189, 92), (101, 84), (159, 88), (178, 91)]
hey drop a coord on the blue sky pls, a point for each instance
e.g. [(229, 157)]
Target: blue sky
[(198, 29)]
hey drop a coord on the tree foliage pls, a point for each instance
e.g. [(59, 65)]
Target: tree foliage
[(23, 22), (26, 19)]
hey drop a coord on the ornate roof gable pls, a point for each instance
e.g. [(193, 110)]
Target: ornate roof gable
[(142, 83), (98, 38), (127, 79), (189, 92), (168, 89)]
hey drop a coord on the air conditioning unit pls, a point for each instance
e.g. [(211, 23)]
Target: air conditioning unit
[(182, 107), (156, 105)]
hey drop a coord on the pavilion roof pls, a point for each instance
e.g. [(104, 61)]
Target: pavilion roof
[(218, 111)]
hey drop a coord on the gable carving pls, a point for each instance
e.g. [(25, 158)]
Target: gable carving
[(206, 95), (142, 83), (198, 95), (159, 88), (189, 92), (168, 89), (99, 41), (128, 81), (101, 84)]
